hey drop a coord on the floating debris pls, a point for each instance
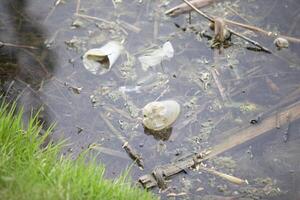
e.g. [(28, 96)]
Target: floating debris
[(76, 90), (73, 44), (221, 32), (225, 163), (205, 131), (184, 8), (127, 89), (248, 107), (159, 115), (133, 155), (157, 56), (261, 188), (172, 194), (99, 61), (281, 43), (77, 23), (227, 177)]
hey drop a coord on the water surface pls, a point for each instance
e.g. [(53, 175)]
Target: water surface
[(255, 84)]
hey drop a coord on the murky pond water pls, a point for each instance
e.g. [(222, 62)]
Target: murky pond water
[(219, 92)]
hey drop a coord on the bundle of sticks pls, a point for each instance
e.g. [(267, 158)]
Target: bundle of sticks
[(281, 41)]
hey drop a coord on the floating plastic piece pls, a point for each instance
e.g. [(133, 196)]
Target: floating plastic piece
[(100, 60), (157, 56), (281, 43), (159, 115)]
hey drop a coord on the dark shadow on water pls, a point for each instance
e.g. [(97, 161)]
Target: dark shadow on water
[(163, 135), (24, 71)]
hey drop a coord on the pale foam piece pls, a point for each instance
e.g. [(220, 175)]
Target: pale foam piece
[(159, 115), (155, 57)]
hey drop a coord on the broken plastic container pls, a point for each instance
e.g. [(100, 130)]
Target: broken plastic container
[(100, 60), (159, 115)]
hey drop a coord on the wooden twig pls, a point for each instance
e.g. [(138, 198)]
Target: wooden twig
[(230, 30), (183, 8), (199, 11), (172, 194), (262, 31), (134, 155), (163, 93), (227, 177), (249, 27), (38, 60), (52, 10), (113, 129), (109, 151), (252, 132), (156, 24), (129, 150), (286, 132), (103, 20), (277, 121), (128, 26), (119, 111), (219, 85), (219, 29), (77, 6), (257, 29), (249, 40), (93, 18)]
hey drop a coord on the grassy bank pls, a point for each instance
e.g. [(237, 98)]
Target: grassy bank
[(30, 172)]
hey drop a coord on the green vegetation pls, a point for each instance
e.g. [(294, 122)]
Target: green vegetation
[(28, 171)]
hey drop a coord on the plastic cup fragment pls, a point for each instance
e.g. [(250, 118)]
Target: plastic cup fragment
[(159, 115), (100, 60), (156, 56)]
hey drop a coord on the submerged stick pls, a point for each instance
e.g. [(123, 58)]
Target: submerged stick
[(129, 150), (77, 6), (262, 31), (183, 8), (52, 11), (250, 41), (134, 155), (109, 151), (227, 177), (231, 22), (199, 11), (93, 18), (286, 132), (16, 45), (277, 121), (219, 85), (230, 30), (252, 132), (38, 60)]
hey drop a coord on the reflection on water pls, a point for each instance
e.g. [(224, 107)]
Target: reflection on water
[(159, 135), (219, 93), (23, 70)]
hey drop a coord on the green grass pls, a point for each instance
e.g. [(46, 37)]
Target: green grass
[(30, 172)]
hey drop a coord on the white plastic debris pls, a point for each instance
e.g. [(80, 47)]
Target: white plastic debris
[(100, 60), (157, 56), (127, 89), (159, 115), (281, 43)]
